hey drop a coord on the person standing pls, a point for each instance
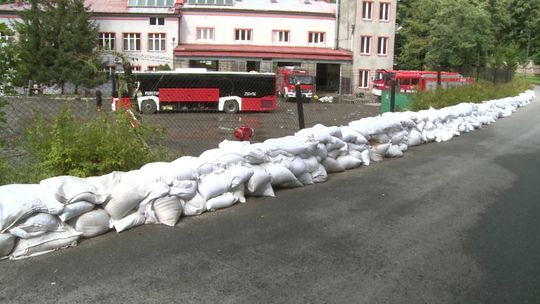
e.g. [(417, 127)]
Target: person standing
[(98, 100)]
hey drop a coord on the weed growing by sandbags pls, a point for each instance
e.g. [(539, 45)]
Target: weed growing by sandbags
[(69, 146)]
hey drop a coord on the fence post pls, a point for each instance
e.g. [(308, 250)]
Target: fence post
[(299, 106), (393, 95)]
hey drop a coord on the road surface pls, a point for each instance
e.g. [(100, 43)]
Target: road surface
[(455, 222)]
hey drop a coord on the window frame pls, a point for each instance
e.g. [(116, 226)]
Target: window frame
[(247, 32), (318, 34), (105, 39), (156, 19), (388, 10), (209, 30), (364, 77), (162, 42), (371, 13), (129, 39), (277, 41), (362, 47), (386, 46)]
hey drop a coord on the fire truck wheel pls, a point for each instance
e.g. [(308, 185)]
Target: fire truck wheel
[(148, 107), (231, 106)]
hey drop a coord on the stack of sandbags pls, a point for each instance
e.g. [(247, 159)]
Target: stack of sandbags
[(54, 214)]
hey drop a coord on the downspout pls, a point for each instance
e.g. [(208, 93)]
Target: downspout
[(336, 31)]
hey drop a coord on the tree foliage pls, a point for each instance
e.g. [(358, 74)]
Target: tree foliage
[(464, 33), (57, 42)]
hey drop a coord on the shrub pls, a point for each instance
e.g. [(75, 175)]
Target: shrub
[(102, 145), (474, 93)]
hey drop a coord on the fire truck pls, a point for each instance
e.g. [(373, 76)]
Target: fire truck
[(414, 81), (199, 89), (289, 76)]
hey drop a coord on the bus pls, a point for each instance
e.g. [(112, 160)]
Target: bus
[(199, 89)]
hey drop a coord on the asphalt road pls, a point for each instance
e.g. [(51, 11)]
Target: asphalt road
[(455, 222)]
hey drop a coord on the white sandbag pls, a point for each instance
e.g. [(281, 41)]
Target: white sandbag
[(356, 147), (125, 197), (397, 137), (334, 154), (311, 163), (335, 144), (415, 138), (131, 220), (319, 175), (366, 157), (394, 151), (75, 209), (349, 162), (223, 201), (403, 147), (260, 178), (332, 166), (37, 225), (281, 176), (239, 192), (296, 165), (199, 166), (92, 223), (46, 243), (238, 175), (381, 138), (7, 242), (168, 210), (185, 189), (321, 152), (356, 154), (350, 135), (255, 153), (70, 189), (194, 206), (18, 201), (168, 172), (306, 179), (156, 190), (106, 181), (291, 144), (380, 148), (264, 189), (213, 184)]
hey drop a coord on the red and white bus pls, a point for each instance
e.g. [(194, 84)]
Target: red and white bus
[(199, 89), (414, 81)]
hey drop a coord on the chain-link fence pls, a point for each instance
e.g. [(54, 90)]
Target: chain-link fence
[(188, 131), (495, 75)]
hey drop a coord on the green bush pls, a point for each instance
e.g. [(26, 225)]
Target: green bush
[(474, 93), (107, 143)]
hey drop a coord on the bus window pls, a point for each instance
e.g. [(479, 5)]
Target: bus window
[(415, 81)]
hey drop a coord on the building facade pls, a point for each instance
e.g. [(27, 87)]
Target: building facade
[(367, 28), (341, 43)]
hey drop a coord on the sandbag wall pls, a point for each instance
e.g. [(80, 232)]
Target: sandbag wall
[(58, 212)]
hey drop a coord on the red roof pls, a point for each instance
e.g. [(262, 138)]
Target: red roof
[(259, 51)]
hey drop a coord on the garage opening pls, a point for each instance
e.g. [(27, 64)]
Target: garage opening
[(327, 78)]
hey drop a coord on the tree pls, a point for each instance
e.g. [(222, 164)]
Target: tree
[(526, 27), (8, 61), (460, 34), (57, 43)]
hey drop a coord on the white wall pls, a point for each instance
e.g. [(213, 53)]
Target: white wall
[(224, 25)]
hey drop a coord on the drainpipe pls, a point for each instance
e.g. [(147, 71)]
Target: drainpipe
[(336, 31)]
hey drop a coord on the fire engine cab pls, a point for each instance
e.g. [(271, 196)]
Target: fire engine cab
[(289, 76), (414, 81)]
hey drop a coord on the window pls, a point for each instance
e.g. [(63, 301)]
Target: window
[(280, 36), (384, 11), (316, 38), (156, 42), (243, 34), (150, 3), (205, 33), (132, 42), (136, 68), (106, 41), (382, 46), (211, 2), (364, 79), (367, 10), (152, 68), (365, 45), (157, 21)]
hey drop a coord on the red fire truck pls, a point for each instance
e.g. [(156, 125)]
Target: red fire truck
[(414, 81), (289, 76), (186, 89)]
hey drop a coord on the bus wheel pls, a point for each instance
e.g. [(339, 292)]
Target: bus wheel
[(231, 106), (148, 107)]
